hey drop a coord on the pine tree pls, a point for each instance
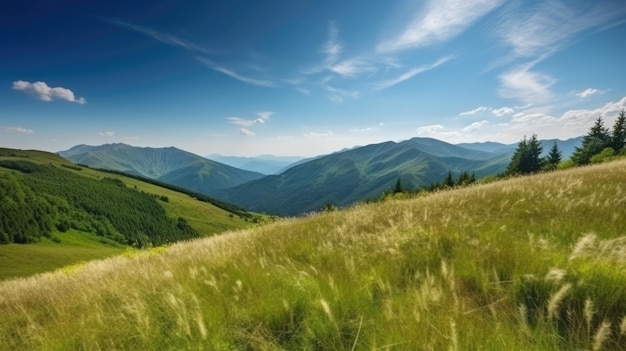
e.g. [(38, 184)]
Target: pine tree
[(554, 157), (594, 142), (526, 158), (618, 139), (398, 188)]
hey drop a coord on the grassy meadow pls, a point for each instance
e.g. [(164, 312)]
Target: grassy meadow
[(531, 263), (19, 260)]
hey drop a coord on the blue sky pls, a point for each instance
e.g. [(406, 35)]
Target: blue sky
[(305, 77)]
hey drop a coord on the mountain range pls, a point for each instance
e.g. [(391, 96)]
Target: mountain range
[(265, 164), (169, 165), (340, 178)]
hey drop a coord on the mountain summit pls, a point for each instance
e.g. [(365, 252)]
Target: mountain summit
[(170, 165)]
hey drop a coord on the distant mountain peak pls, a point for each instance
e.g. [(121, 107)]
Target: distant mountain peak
[(169, 164)]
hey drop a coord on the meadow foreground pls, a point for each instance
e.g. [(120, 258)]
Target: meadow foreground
[(531, 263)]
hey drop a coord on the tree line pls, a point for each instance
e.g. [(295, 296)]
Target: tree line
[(43, 198), (229, 207), (599, 144)]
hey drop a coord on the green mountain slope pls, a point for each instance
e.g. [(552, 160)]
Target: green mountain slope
[(361, 173), (170, 165), (44, 199), (530, 263)]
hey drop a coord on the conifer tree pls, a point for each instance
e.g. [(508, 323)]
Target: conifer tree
[(398, 188), (594, 142), (554, 157), (618, 139), (526, 158), (449, 181)]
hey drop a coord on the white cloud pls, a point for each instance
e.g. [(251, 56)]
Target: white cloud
[(568, 124), (333, 47), (523, 106), (247, 123), (352, 68), (475, 125), (42, 91), (338, 95), (361, 130), (253, 81), (551, 25), (440, 21), (474, 111), (589, 92), (265, 115), (18, 130), (503, 111), (107, 134), (235, 75), (411, 73), (162, 37), (318, 135), (525, 85), (246, 132), (437, 131), (429, 130)]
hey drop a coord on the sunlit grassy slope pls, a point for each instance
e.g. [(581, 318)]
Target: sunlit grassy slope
[(22, 260), (533, 263)]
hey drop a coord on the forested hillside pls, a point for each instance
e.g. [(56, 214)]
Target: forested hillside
[(39, 198)]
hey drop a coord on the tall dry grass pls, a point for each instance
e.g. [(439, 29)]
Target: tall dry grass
[(533, 263)]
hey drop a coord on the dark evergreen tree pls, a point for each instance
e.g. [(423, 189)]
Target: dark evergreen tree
[(618, 138), (554, 157), (526, 158), (449, 181), (464, 179), (398, 188), (594, 142)]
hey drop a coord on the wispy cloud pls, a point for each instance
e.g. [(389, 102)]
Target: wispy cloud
[(333, 47), (436, 130), (43, 92), (428, 130), (361, 130), (474, 111), (107, 134), (568, 124), (246, 132), (318, 135), (247, 123), (338, 95), (475, 125), (503, 111), (525, 85), (352, 67), (165, 38), (411, 73), (589, 92), (229, 72), (18, 130), (551, 25), (439, 21)]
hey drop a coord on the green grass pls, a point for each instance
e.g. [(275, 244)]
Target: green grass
[(24, 260), (533, 263), (21, 260)]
